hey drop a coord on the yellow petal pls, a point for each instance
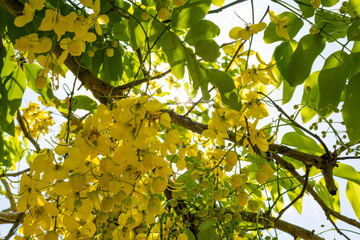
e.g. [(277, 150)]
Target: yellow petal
[(48, 21), (255, 28), (37, 4), (244, 34), (234, 32), (65, 42)]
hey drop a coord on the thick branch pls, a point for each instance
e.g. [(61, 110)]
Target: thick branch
[(8, 217), (269, 222)]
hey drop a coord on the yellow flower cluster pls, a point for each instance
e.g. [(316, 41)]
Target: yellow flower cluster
[(36, 120), (32, 47), (114, 171)]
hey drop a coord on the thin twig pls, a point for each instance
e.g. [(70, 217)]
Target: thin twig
[(226, 6), (336, 228), (9, 195), (14, 174), (296, 124), (15, 225), (327, 210), (298, 197), (26, 132)]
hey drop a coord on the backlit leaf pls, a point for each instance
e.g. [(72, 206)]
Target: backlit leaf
[(207, 49), (350, 111), (353, 195), (301, 142), (308, 49), (190, 13), (175, 53), (204, 29), (332, 78), (310, 98)]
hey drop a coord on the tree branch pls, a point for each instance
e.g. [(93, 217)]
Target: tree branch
[(9, 195), (26, 132), (327, 210), (14, 174)]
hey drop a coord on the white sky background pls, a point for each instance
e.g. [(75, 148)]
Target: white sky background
[(312, 215)]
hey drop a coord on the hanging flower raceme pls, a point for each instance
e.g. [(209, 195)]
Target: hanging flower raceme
[(51, 63), (256, 138)]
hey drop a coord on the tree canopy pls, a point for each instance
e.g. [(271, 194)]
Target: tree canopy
[(121, 156)]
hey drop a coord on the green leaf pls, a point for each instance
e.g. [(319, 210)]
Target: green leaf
[(332, 79), (207, 49), (331, 201), (190, 13), (202, 30), (329, 3), (205, 225), (208, 234), (282, 56), (355, 57), (175, 53), (292, 195), (31, 73), (13, 151), (306, 8), (1, 148), (308, 49), (84, 102), (197, 74), (350, 110), (136, 30), (331, 27), (353, 32), (225, 84), (347, 172), (288, 92), (353, 195), (189, 234), (120, 29), (293, 27), (12, 87), (301, 142), (218, 3), (112, 68), (156, 33), (353, 7), (97, 61), (310, 99)]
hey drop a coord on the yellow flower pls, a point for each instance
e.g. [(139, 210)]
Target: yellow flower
[(255, 75), (73, 46), (51, 63), (256, 138), (257, 108), (32, 44), (281, 25), (245, 34), (27, 17), (53, 20)]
